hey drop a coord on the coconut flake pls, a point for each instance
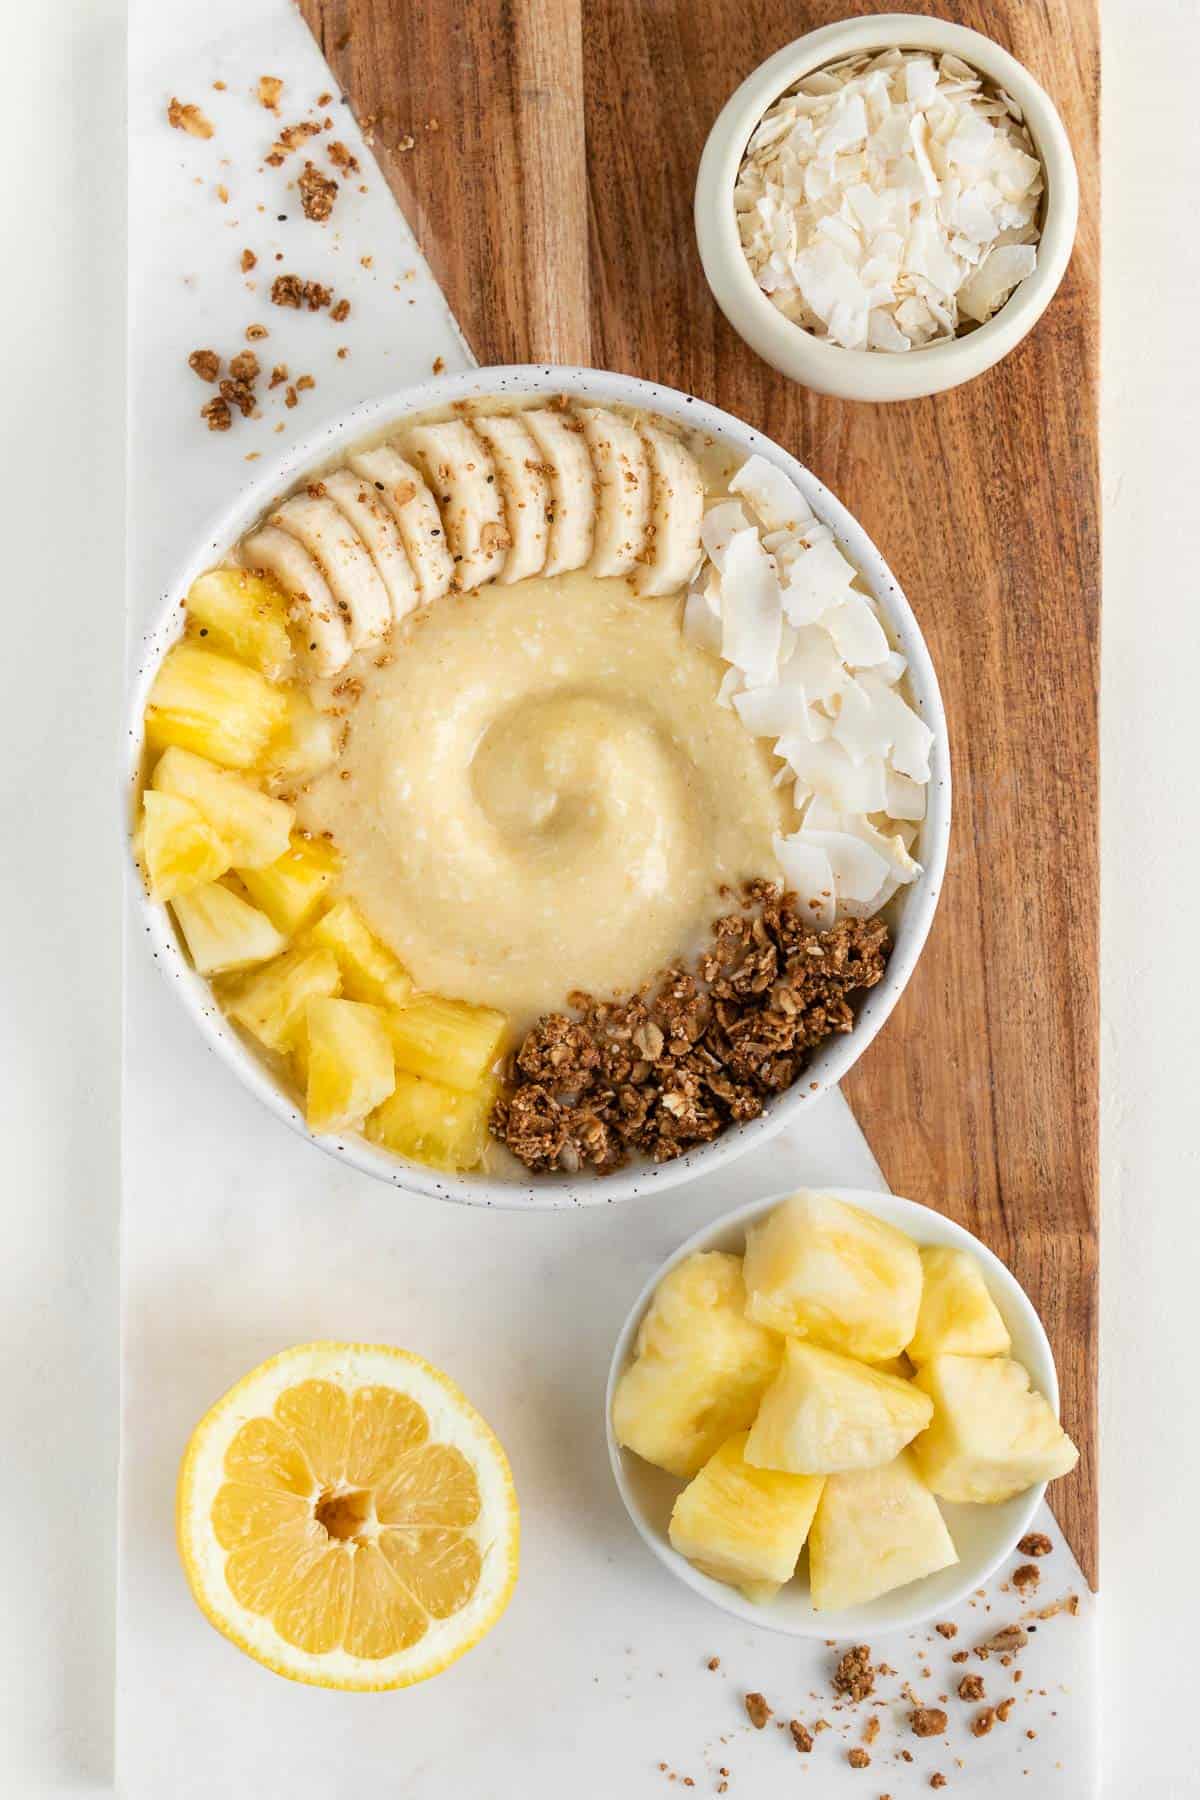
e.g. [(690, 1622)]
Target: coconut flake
[(860, 638), (776, 499), (858, 871), (751, 613), (806, 870), (995, 278)]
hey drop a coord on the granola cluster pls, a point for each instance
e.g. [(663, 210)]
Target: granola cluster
[(697, 1049)]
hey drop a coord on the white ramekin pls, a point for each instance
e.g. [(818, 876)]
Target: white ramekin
[(983, 1535), (878, 374), (914, 908)]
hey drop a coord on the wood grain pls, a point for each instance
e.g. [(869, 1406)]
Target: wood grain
[(553, 198)]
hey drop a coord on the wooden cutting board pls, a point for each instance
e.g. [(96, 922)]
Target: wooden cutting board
[(545, 153)]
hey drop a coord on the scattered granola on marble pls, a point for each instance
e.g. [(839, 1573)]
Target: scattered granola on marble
[(888, 201)]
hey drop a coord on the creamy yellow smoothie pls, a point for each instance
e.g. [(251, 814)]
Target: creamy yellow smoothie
[(539, 792)]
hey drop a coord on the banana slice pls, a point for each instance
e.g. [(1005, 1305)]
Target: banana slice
[(623, 502), (460, 471), (362, 599), (521, 477), (401, 488), (676, 509), (357, 500), (559, 437), (313, 607)]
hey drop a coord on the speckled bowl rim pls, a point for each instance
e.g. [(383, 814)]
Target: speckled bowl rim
[(925, 1225), (915, 911), (875, 375)]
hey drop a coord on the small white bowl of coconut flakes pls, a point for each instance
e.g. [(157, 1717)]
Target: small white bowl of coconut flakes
[(886, 207)]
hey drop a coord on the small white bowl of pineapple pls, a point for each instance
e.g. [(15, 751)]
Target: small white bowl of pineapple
[(834, 1413)]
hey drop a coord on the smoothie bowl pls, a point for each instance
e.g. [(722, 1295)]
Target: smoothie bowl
[(539, 788)]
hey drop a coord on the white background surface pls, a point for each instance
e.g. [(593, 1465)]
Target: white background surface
[(62, 358)]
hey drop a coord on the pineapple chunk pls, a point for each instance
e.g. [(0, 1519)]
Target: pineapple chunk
[(817, 1268), (434, 1124), (992, 1435), (305, 743), (291, 889), (895, 1365), (253, 827), (213, 705), (222, 931), (271, 1003), (245, 615), (874, 1530), (743, 1525), (958, 1316), (369, 970), (349, 1061), (700, 1367), (177, 846), (447, 1040), (824, 1413)]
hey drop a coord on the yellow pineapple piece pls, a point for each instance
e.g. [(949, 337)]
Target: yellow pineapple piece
[(349, 1063), (369, 970), (434, 1124), (222, 931), (177, 846), (291, 889), (244, 614), (213, 705), (447, 1040), (992, 1435), (700, 1366), (271, 1002), (958, 1316), (742, 1525), (817, 1268), (874, 1530), (253, 827), (824, 1413), (305, 743), (895, 1365)]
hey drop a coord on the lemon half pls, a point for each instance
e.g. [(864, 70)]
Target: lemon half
[(346, 1517)]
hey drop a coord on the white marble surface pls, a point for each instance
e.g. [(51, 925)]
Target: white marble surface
[(63, 354)]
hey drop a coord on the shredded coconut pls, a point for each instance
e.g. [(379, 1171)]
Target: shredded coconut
[(889, 200), (811, 669)]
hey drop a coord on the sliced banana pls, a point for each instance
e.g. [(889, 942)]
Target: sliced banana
[(459, 469), (313, 608), (676, 509), (524, 488), (315, 521), (623, 501), (559, 436), (355, 497), (402, 489)]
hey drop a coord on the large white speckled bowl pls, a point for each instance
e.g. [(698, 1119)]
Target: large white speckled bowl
[(912, 910)]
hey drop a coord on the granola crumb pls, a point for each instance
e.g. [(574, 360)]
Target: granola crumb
[(1003, 1642), (343, 353), (937, 1779), (237, 391), (960, 1656), (186, 117), (1035, 1543), (303, 382), (757, 1710), (256, 333), (279, 375), (982, 1723), (1026, 1578), (270, 87), (1004, 1708), (871, 1730), (971, 1687), (858, 1759), (802, 1737), (340, 311), (342, 157), (317, 192), (946, 1630), (927, 1721), (216, 414), (291, 398), (244, 366), (439, 365), (854, 1675), (222, 193), (287, 290), (714, 1662), (205, 363), (249, 261)]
